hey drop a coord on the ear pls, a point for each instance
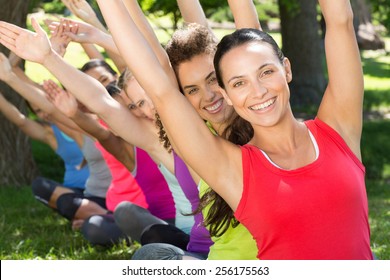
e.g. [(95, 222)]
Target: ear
[(287, 69), (224, 94)]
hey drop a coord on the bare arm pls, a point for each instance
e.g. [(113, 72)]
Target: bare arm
[(36, 47), (192, 11), (29, 127), (67, 104), (31, 92), (84, 11), (244, 14), (208, 155), (92, 52), (86, 34), (342, 104), (148, 33)]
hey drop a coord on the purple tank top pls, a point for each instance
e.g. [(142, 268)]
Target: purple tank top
[(154, 187), (200, 240)]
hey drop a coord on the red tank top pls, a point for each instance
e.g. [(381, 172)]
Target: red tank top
[(318, 211)]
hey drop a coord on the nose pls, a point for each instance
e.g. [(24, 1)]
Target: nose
[(259, 89), (148, 112), (210, 93)]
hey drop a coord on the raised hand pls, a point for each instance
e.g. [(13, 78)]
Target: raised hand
[(82, 10), (5, 68), (80, 32), (24, 43), (59, 40), (64, 101)]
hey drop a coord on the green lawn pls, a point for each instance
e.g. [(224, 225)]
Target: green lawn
[(29, 230)]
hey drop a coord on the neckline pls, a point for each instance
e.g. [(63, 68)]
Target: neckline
[(313, 141)]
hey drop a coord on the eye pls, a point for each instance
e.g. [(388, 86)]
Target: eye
[(267, 72), (237, 84), (131, 106), (141, 103), (212, 80), (192, 91)]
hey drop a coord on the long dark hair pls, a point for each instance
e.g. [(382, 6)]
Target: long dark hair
[(238, 38), (220, 216), (238, 131)]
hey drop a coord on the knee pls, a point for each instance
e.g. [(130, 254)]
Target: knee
[(68, 204), (125, 211), (165, 234), (102, 230), (158, 251), (43, 189), (92, 230)]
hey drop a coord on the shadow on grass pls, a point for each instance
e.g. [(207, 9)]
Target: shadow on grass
[(374, 68)]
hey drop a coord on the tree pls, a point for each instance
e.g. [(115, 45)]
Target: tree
[(381, 9), (302, 44), (17, 166), (367, 37)]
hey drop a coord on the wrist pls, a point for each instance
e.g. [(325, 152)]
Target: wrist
[(50, 58)]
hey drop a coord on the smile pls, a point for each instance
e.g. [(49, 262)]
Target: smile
[(214, 107), (264, 105)]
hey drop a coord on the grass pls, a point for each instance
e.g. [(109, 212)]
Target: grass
[(32, 231)]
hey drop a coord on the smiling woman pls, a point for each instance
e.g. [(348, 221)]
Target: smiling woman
[(270, 180)]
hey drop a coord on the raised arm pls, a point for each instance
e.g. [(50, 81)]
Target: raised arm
[(67, 104), (342, 104), (87, 34), (208, 155), (31, 128), (244, 14), (148, 33), (192, 11), (33, 94), (36, 47), (84, 11)]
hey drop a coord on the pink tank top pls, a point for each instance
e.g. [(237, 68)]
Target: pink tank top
[(154, 186), (123, 185)]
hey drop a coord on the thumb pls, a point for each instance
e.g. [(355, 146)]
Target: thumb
[(37, 28)]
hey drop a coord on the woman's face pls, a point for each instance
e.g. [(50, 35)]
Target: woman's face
[(256, 83), (40, 114), (137, 101), (200, 87), (101, 74)]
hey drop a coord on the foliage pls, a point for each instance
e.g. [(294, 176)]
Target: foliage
[(54, 6), (375, 154), (381, 12)]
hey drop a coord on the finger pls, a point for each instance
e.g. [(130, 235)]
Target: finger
[(8, 43), (37, 28), (8, 28)]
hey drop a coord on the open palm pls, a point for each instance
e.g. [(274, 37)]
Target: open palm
[(64, 101), (24, 43)]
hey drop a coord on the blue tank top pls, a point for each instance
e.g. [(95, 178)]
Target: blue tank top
[(72, 156)]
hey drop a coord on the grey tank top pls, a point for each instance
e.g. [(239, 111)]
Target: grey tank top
[(99, 175)]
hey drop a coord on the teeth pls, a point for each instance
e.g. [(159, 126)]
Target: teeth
[(263, 105), (215, 106)]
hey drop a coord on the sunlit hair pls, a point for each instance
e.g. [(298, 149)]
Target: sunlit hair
[(93, 63), (239, 38), (191, 40), (124, 78)]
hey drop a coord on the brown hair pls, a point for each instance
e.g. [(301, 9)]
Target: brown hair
[(191, 40)]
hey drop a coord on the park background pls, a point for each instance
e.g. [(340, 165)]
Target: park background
[(31, 231)]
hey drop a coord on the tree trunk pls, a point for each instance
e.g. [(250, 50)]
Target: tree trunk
[(17, 166), (303, 46), (367, 37)]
